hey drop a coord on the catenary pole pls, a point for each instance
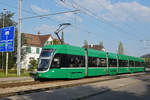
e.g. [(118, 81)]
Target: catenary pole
[(75, 13), (19, 38)]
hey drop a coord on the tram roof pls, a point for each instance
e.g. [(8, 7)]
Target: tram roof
[(136, 59), (139, 59), (112, 55), (66, 49), (74, 50), (96, 53), (122, 57), (131, 58)]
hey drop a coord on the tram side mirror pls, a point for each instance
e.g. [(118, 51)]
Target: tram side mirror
[(56, 59), (57, 62)]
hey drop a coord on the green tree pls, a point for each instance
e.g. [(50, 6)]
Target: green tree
[(33, 64), (120, 48), (7, 17), (85, 44), (8, 21), (101, 46), (55, 41)]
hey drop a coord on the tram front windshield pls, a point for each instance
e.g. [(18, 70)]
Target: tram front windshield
[(46, 53), (44, 60)]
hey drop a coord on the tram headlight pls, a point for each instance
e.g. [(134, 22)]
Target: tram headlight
[(40, 74)]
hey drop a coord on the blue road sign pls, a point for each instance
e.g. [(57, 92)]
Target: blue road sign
[(7, 39)]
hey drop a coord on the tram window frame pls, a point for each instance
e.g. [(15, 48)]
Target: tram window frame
[(92, 62), (123, 63), (131, 64), (96, 62), (112, 62), (69, 61)]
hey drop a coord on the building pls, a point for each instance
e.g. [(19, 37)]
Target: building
[(33, 46)]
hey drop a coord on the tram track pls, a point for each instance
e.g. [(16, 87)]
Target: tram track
[(19, 84), (55, 84)]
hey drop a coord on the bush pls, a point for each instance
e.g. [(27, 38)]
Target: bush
[(33, 64)]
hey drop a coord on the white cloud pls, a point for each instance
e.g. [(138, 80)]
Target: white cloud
[(38, 10), (44, 28), (119, 11), (130, 11), (68, 17), (68, 14)]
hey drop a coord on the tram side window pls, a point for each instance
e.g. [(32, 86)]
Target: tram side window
[(123, 63), (112, 63), (76, 61), (66, 61), (56, 62), (137, 64), (103, 62), (96, 62), (131, 63)]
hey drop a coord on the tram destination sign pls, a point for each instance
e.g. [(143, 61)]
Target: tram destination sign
[(7, 39)]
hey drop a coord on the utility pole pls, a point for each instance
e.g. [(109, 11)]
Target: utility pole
[(145, 43), (89, 37), (19, 38), (62, 37), (75, 13)]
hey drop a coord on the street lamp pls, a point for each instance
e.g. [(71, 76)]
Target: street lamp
[(61, 28)]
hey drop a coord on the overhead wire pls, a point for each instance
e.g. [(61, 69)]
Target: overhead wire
[(124, 31), (28, 11), (98, 32), (31, 12), (84, 30), (126, 24), (104, 21), (11, 6), (39, 16), (92, 14)]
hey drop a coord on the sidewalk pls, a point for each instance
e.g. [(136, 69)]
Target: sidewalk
[(13, 79)]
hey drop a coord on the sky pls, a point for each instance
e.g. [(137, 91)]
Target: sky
[(109, 21)]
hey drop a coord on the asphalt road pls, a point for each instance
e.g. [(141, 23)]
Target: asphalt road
[(136, 91), (133, 88)]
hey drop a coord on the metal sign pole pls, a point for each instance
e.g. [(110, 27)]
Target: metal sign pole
[(7, 43), (6, 33), (6, 63)]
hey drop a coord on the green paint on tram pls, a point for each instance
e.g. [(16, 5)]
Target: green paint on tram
[(66, 61)]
